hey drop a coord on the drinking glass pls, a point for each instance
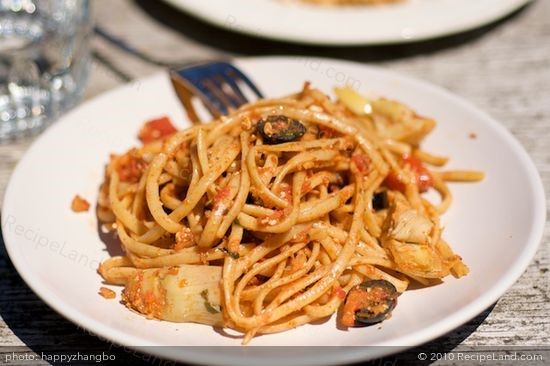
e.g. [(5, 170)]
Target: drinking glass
[(44, 61)]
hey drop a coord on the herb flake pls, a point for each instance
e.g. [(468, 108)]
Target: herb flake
[(211, 308), (233, 255)]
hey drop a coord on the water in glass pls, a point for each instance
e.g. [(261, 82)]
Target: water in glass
[(44, 61)]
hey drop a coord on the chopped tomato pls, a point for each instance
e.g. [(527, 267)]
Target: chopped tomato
[(394, 183), (339, 292), (79, 204), (221, 195), (353, 304), (362, 163), (423, 178), (156, 129), (355, 301)]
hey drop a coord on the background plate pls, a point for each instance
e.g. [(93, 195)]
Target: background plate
[(411, 20)]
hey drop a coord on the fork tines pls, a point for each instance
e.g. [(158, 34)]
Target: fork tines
[(217, 84)]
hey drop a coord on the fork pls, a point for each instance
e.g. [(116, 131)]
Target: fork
[(218, 84)]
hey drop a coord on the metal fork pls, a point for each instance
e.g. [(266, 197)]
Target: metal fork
[(219, 84)]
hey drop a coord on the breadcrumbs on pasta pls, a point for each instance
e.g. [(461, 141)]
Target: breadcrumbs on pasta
[(79, 204), (107, 293)]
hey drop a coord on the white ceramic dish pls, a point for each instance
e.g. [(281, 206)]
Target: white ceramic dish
[(57, 251), (291, 21)]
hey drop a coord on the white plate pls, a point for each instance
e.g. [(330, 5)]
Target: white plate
[(495, 225), (411, 20)]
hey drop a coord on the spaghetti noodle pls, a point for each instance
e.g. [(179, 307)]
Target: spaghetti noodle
[(265, 219)]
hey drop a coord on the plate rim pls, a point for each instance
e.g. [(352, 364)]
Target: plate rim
[(250, 29), (354, 354)]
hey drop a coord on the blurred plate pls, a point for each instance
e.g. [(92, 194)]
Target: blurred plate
[(57, 251), (291, 21)]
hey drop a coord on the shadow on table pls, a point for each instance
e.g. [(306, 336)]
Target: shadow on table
[(442, 345), (240, 44), (43, 330)]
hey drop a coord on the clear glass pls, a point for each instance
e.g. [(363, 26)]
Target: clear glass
[(44, 61)]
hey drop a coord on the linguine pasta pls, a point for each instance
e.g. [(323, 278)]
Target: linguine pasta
[(265, 219)]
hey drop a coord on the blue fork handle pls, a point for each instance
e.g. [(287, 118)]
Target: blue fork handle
[(194, 79), (196, 75)]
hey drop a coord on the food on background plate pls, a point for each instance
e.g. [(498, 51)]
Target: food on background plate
[(279, 214), (349, 2)]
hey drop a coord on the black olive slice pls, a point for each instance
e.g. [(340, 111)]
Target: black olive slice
[(380, 200), (278, 129), (369, 303)]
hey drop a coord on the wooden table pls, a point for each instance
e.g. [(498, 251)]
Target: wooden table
[(503, 68)]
